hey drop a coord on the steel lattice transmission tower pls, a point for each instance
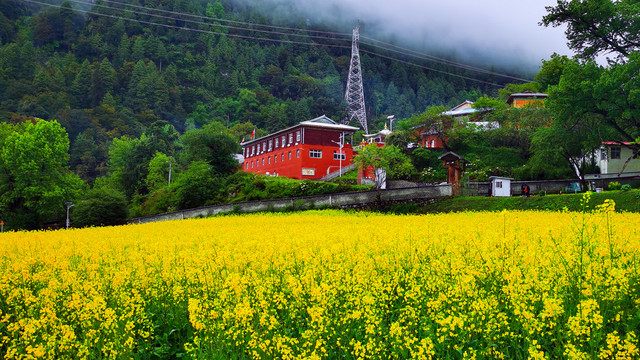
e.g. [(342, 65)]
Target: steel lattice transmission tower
[(355, 89)]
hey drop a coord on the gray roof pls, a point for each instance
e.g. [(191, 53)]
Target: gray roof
[(462, 112), (323, 122)]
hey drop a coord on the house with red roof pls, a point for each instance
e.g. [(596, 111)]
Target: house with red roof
[(618, 157)]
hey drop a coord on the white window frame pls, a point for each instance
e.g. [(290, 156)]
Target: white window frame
[(315, 154), (338, 156)]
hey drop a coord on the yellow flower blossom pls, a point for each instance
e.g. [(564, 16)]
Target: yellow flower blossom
[(327, 284)]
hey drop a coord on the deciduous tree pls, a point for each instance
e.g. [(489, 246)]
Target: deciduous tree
[(388, 157), (35, 181), (596, 27), (213, 145)]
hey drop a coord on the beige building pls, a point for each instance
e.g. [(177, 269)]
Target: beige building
[(613, 156)]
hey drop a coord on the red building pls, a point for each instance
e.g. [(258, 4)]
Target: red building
[(309, 150)]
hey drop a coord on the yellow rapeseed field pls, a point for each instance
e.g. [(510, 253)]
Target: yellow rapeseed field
[(328, 284)]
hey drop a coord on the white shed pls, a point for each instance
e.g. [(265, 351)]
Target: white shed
[(500, 186)]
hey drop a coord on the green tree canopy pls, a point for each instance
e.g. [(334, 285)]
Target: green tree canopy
[(611, 95), (213, 145), (596, 27), (389, 157), (158, 176), (551, 71), (198, 186), (100, 207), (35, 181)]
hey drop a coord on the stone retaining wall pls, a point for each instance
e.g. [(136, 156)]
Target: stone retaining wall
[(342, 200), (548, 186)]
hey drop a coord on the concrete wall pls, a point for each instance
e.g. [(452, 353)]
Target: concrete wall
[(343, 200), (548, 186), (401, 184)]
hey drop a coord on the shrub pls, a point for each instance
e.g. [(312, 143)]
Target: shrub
[(159, 201), (100, 206), (197, 186), (614, 185), (625, 187)]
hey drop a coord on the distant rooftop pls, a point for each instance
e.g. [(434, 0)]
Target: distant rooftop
[(462, 112), (324, 121), (616, 143), (526, 95)]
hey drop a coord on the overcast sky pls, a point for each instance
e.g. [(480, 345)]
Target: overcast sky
[(499, 32)]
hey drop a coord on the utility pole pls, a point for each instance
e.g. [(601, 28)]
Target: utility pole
[(341, 145), (170, 161), (69, 205), (354, 96)]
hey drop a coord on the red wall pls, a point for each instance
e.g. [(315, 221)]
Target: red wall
[(437, 141), (292, 168)]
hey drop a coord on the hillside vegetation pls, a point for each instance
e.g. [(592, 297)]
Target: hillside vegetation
[(117, 96), (110, 98), (104, 77)]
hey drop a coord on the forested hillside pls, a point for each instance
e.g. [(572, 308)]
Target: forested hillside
[(128, 90), (103, 77)]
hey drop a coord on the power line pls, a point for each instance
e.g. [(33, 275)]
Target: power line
[(451, 62), (225, 20), (408, 52), (402, 50), (192, 29), (205, 23), (430, 69), (262, 38)]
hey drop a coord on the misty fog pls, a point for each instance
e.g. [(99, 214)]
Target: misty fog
[(491, 33)]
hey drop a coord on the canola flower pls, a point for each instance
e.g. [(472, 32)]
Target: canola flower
[(328, 284)]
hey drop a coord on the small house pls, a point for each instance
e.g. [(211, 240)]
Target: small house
[(614, 155), (500, 186)]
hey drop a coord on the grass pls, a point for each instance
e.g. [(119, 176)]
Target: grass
[(625, 201)]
